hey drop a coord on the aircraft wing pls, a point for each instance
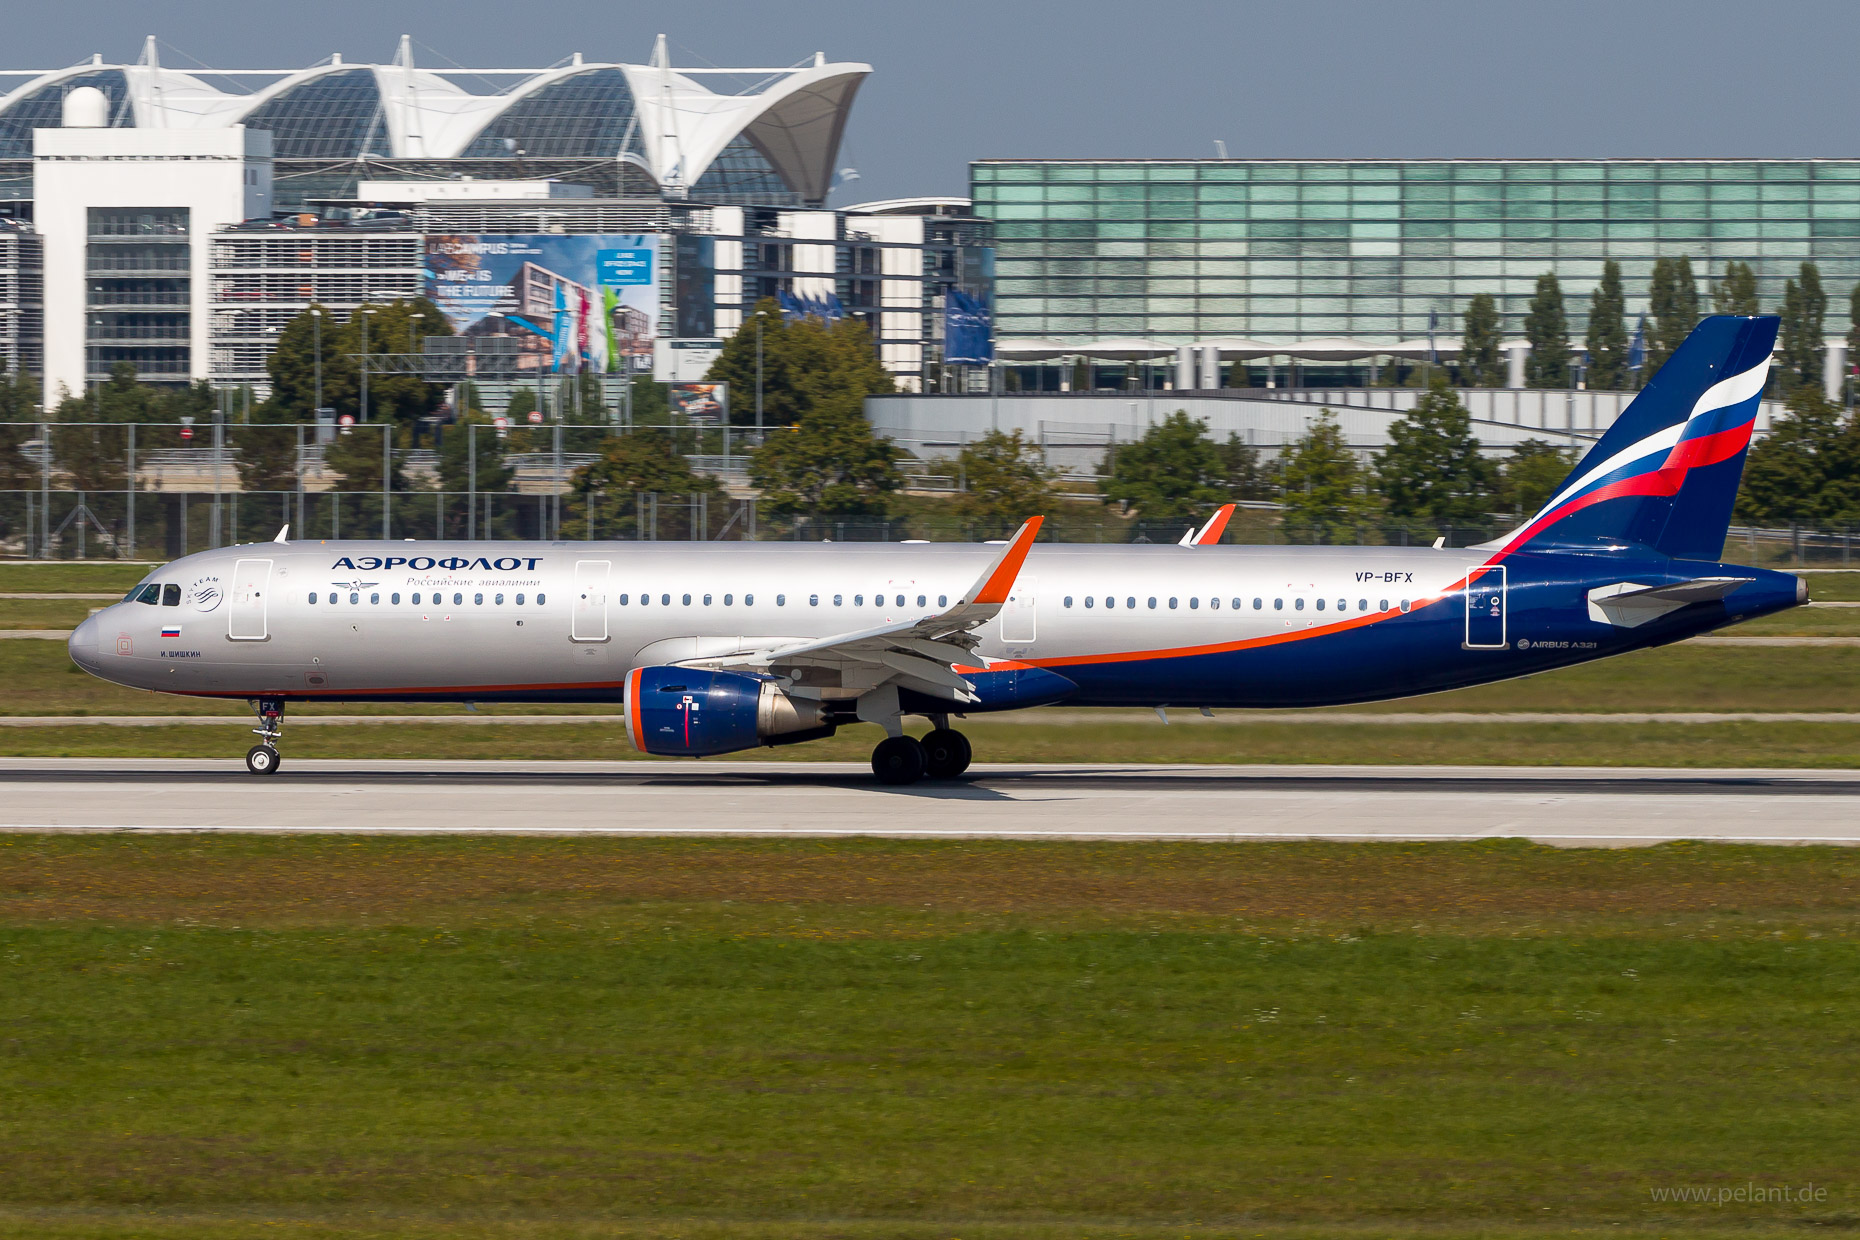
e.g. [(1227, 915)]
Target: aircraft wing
[(919, 654)]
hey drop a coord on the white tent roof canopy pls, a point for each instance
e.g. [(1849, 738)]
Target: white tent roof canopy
[(1234, 349)]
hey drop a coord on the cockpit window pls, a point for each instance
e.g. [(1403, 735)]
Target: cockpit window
[(150, 594), (171, 595)]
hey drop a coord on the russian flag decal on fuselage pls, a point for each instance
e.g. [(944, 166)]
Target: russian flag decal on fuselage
[(170, 630)]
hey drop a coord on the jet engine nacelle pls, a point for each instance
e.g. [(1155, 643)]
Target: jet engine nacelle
[(681, 712)]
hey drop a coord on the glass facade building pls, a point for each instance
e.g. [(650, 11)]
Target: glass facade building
[(1181, 251)]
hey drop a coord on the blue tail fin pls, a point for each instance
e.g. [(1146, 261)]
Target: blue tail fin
[(1666, 473)]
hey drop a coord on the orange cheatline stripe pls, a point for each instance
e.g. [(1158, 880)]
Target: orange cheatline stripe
[(1247, 643), (995, 589), (1217, 525)]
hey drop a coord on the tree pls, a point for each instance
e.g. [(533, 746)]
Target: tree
[(354, 456), (1673, 301), (1547, 329), (1173, 474), (521, 405), (1853, 330), (1804, 319), (399, 398), (1325, 488), (1608, 335), (1480, 365), (1530, 475), (644, 460), (19, 406), (1737, 292), (827, 464), (1807, 469), (1243, 476), (1004, 478), (805, 362), (471, 456), (1432, 471)]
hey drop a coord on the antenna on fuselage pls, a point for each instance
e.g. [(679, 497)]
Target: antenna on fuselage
[(284, 535)]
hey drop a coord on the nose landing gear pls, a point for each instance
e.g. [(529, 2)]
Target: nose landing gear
[(263, 758)]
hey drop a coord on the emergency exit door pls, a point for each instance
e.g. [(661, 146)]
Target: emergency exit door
[(1485, 608)]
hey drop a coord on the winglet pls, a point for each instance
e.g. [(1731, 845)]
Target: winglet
[(284, 535), (991, 588), (1216, 526)]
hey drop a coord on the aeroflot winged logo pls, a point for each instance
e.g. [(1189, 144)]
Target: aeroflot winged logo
[(425, 563)]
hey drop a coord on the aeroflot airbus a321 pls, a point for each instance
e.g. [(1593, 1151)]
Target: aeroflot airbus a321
[(718, 647)]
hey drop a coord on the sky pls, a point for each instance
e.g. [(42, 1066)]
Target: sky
[(955, 80)]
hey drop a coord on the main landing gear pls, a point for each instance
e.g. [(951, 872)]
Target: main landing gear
[(262, 758), (943, 753)]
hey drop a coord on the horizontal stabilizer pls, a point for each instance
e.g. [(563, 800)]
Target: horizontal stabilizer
[(1628, 604)]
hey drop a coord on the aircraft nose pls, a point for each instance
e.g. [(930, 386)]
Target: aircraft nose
[(83, 644)]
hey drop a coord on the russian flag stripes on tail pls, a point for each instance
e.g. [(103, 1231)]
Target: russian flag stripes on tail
[(1666, 473)]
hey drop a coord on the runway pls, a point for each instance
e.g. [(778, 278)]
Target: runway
[(1562, 806)]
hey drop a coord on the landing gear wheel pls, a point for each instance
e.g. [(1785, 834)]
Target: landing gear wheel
[(898, 760), (262, 760), (946, 753)]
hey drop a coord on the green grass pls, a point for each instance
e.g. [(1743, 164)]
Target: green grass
[(1496, 744), (32, 576), (317, 1037)]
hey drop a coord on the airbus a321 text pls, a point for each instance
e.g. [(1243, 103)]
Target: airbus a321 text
[(712, 648)]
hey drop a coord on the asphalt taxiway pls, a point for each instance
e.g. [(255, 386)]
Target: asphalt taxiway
[(1563, 806)]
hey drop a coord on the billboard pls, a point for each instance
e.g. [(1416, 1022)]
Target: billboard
[(701, 402), (572, 303)]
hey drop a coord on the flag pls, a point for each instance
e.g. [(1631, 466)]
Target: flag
[(1433, 324), (1637, 347), (968, 336), (171, 630)]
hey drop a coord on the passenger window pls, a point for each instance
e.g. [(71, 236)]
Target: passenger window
[(1088, 600), (1382, 604), (1320, 604), (394, 599), (858, 600), (1278, 604), (313, 598), (1110, 601), (1362, 604), (1068, 600), (1193, 603), (1343, 604), (499, 600), (1258, 603), (922, 601), (171, 595), (665, 600), (1152, 602), (728, 599), (374, 600), (458, 600), (707, 600), (1404, 604), (477, 600), (781, 600), (837, 598), (1132, 603), (813, 600), (354, 599), (942, 600), (900, 601), (332, 598), (541, 599), (1298, 604), (1214, 604), (687, 600), (1171, 604), (642, 598)]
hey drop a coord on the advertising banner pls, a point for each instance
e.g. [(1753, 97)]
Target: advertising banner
[(968, 335), (572, 303), (702, 402)]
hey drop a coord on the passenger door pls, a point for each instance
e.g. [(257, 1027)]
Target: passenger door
[(588, 616), (1485, 608), (246, 619)]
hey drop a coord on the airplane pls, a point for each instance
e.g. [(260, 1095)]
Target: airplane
[(716, 647)]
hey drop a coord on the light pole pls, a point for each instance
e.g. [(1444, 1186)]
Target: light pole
[(367, 313), (760, 315), (316, 327), (410, 321)]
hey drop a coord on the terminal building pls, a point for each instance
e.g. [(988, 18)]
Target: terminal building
[(177, 220), (1331, 264)]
